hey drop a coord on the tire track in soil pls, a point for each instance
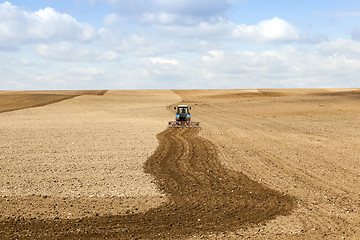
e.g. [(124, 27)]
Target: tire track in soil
[(204, 197)]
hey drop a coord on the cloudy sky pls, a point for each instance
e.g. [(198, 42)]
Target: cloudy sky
[(179, 44)]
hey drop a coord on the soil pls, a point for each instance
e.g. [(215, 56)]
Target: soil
[(17, 100), (204, 196), (304, 142), (82, 156), (266, 164)]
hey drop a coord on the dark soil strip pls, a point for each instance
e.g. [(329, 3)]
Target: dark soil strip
[(9, 103), (16, 101), (204, 197)]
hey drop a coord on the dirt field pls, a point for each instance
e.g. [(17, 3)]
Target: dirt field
[(266, 164), (17, 100), (301, 142), (81, 157)]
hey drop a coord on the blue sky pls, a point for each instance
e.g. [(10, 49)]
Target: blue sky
[(183, 44)]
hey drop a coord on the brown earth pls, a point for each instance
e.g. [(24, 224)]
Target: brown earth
[(259, 151), (304, 142), (204, 197), (81, 157), (16, 100)]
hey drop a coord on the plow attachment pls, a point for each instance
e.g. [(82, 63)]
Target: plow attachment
[(179, 124)]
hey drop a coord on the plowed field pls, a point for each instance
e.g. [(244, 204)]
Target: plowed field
[(266, 164), (11, 101)]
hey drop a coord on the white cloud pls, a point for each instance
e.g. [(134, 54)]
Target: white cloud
[(214, 55), (166, 12), (85, 74), (69, 78), (112, 20), (325, 65), (19, 26), (164, 18), (287, 67), (132, 45), (167, 44), (159, 60), (272, 30), (204, 30), (66, 51), (267, 31), (340, 47), (26, 74)]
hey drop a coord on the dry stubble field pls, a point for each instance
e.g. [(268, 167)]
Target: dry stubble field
[(87, 165)]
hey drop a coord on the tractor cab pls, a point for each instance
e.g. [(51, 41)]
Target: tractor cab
[(183, 110), (182, 113)]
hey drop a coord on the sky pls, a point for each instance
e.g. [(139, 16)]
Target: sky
[(179, 44)]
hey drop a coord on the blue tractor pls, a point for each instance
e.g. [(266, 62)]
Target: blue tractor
[(183, 117)]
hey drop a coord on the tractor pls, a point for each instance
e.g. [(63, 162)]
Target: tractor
[(183, 118)]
